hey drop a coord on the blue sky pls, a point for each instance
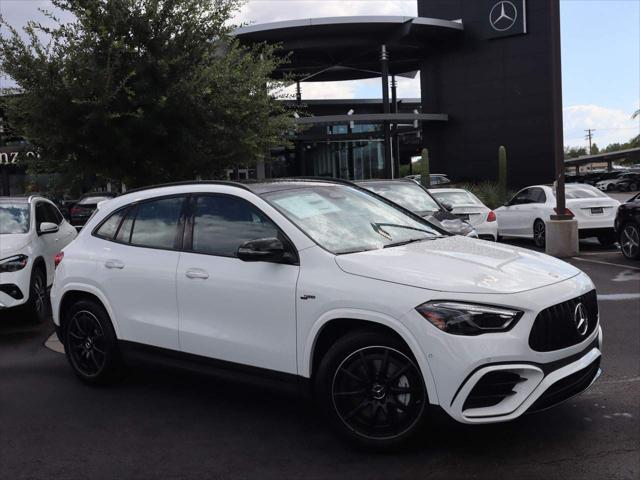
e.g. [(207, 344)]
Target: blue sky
[(601, 56)]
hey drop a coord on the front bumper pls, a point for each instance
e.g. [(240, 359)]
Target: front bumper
[(541, 386), (14, 287)]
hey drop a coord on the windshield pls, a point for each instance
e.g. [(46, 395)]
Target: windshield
[(460, 197), (343, 219), (14, 217), (582, 191), (93, 200), (406, 194)]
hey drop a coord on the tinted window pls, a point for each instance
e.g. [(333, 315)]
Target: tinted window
[(108, 229), (222, 224), (156, 223), (124, 234), (45, 213), (537, 195)]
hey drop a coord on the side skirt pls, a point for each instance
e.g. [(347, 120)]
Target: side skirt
[(134, 352)]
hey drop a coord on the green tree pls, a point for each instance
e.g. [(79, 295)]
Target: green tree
[(143, 90)]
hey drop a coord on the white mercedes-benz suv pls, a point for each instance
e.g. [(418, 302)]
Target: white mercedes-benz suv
[(32, 232), (379, 312)]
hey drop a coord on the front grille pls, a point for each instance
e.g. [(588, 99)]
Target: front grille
[(492, 388), (567, 387), (555, 327)]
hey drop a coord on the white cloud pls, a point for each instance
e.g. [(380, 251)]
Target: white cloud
[(611, 125)]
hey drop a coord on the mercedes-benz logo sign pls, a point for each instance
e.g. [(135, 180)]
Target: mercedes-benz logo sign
[(581, 319), (503, 16)]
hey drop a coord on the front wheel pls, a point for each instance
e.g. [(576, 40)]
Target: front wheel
[(38, 306), (539, 234), (371, 389), (90, 343), (630, 241)]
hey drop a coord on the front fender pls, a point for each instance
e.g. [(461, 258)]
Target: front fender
[(304, 368)]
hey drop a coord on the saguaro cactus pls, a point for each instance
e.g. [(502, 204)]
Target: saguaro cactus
[(502, 170), (425, 173)]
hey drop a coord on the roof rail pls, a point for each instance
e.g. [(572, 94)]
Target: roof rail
[(185, 183), (302, 179)]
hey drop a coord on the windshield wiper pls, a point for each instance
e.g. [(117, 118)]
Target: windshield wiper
[(377, 227), (407, 242)]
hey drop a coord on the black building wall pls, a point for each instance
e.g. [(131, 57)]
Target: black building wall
[(497, 91)]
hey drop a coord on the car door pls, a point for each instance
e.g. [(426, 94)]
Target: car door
[(136, 269), (48, 243), (233, 310), (510, 215)]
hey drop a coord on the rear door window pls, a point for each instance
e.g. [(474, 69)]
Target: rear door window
[(156, 223)]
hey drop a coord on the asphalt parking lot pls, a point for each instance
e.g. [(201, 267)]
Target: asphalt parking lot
[(170, 424)]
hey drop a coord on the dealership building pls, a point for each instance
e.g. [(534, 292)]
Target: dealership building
[(487, 70), (489, 76)]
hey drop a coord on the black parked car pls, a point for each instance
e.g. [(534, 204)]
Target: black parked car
[(84, 208), (627, 226), (412, 196), (629, 182)]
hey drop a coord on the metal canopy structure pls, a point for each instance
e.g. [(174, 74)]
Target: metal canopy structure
[(632, 153), (348, 48)]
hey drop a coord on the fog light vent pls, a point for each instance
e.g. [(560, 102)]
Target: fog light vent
[(492, 388)]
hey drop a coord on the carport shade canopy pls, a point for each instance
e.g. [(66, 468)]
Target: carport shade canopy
[(349, 48)]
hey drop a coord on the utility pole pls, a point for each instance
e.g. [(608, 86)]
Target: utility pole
[(589, 136)]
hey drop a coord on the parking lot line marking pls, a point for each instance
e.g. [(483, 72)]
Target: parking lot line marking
[(606, 263), (619, 296)]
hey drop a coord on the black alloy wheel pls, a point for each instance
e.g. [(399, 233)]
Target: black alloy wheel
[(38, 305), (90, 342), (372, 390), (630, 241), (539, 234)]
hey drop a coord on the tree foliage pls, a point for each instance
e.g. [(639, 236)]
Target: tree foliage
[(142, 90)]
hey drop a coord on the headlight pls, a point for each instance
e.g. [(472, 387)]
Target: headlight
[(467, 318), (13, 264)]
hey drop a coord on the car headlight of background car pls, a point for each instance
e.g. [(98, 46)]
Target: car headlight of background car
[(460, 318), (13, 264)]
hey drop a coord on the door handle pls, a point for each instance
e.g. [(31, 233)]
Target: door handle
[(196, 273), (114, 264)]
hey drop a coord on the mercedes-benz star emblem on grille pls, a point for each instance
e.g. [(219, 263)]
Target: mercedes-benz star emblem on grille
[(581, 319), (503, 16)]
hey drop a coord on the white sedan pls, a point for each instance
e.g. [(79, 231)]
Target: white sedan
[(467, 206), (526, 213)]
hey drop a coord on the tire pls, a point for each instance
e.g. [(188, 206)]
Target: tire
[(610, 187), (607, 239), (38, 307), (633, 187), (630, 241), (539, 233), (90, 343), (371, 390)]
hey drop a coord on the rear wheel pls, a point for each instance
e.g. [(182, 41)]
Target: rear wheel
[(607, 239), (633, 187), (539, 233), (630, 241), (90, 343), (371, 389), (610, 187)]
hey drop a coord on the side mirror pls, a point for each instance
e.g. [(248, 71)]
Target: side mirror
[(48, 227), (448, 207), (261, 250)]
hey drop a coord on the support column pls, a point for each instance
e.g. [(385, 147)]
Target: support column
[(395, 152), (384, 63)]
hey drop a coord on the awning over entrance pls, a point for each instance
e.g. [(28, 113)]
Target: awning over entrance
[(348, 48)]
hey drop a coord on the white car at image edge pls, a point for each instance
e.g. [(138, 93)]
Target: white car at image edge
[(325, 284), (32, 232), (468, 207), (525, 214)]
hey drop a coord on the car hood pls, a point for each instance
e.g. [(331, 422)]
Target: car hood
[(459, 264), (11, 243)]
